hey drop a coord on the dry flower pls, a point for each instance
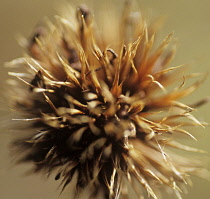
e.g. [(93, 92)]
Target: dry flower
[(102, 109)]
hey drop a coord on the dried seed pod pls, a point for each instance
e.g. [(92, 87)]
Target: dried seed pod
[(103, 110)]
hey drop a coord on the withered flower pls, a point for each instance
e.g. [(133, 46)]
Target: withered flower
[(103, 108)]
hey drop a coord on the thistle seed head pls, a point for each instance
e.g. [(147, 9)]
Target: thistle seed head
[(103, 107)]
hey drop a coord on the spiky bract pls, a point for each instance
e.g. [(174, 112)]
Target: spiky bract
[(102, 106)]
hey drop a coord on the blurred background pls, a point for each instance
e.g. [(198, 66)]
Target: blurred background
[(189, 20)]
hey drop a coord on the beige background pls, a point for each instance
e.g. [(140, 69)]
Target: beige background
[(189, 19)]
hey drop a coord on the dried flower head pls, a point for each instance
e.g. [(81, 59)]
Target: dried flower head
[(102, 109)]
